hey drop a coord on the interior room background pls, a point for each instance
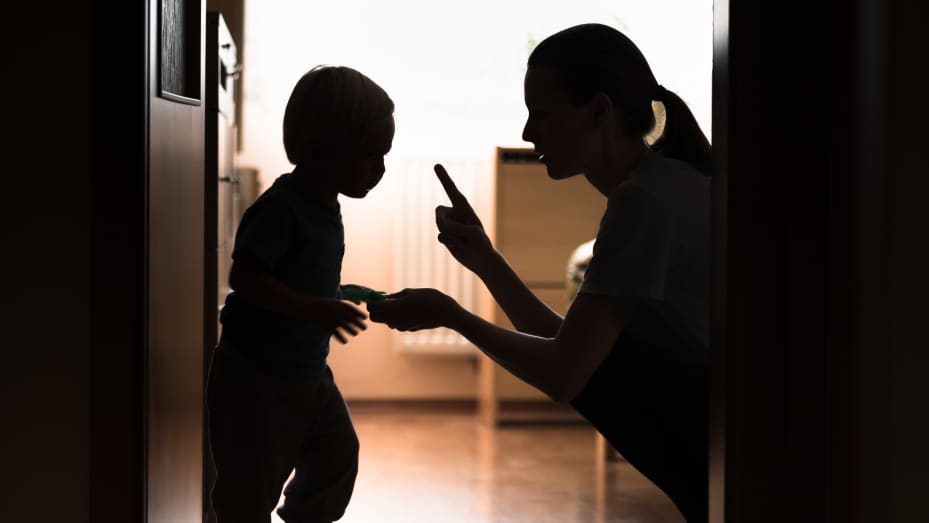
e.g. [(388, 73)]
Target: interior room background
[(455, 72)]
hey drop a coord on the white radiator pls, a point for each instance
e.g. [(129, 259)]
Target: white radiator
[(424, 262)]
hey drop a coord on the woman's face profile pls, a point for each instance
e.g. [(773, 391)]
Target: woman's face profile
[(558, 129)]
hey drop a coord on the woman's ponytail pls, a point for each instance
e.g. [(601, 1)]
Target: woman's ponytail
[(682, 138), (595, 58)]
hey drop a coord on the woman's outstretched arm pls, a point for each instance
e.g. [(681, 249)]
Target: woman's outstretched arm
[(559, 366)]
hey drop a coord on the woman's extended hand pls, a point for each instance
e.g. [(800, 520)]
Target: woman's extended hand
[(460, 229), (414, 309)]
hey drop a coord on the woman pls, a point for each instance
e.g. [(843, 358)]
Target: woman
[(631, 353)]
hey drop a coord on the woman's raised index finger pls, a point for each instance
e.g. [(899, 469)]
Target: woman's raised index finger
[(457, 199)]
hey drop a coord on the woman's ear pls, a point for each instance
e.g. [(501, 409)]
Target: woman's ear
[(602, 110)]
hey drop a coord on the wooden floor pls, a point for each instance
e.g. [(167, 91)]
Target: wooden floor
[(448, 468)]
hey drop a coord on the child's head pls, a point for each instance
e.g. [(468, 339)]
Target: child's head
[(339, 122)]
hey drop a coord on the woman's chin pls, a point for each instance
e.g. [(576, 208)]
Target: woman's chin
[(558, 174)]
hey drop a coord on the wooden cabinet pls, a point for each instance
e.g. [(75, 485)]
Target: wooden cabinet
[(537, 224)]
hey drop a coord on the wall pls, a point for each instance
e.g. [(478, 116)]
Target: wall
[(454, 95), (368, 367), (891, 356), (233, 12), (819, 340), (44, 212)]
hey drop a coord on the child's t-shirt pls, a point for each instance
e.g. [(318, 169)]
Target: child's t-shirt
[(300, 242)]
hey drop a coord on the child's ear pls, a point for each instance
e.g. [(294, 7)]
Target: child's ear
[(310, 153), (316, 155), (601, 110)]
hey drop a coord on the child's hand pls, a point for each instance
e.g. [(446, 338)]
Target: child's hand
[(460, 230), (414, 309), (337, 316)]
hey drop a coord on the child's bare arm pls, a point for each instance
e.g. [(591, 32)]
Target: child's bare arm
[(257, 286)]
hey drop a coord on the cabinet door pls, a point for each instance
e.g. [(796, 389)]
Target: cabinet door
[(538, 223), (541, 221), (509, 387)]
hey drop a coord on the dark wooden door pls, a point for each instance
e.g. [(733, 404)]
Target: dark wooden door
[(175, 262)]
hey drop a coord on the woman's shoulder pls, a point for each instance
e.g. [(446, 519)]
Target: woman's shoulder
[(661, 186), (664, 177), (655, 163)]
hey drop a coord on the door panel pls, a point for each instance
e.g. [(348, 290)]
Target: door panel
[(542, 219), (176, 281), (509, 387)]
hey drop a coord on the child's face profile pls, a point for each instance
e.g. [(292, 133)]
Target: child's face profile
[(364, 166)]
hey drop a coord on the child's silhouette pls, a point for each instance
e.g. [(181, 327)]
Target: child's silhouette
[(273, 405)]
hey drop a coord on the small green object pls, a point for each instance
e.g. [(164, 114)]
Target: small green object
[(376, 295), (356, 293)]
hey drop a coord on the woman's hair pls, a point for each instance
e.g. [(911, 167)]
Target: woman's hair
[(331, 108), (595, 58)]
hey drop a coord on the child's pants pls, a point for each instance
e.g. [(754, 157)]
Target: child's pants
[(264, 426)]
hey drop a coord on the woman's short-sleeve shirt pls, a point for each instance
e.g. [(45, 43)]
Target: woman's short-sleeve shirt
[(653, 242)]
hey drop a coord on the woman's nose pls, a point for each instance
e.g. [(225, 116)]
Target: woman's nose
[(526, 137)]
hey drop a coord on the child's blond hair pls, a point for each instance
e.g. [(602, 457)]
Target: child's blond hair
[(329, 109)]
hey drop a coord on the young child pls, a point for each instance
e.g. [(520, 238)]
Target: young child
[(273, 405)]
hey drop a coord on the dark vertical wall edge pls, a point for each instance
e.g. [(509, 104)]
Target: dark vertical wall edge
[(45, 217), (772, 88), (118, 239), (717, 439)]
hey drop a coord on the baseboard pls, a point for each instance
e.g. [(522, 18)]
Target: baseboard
[(511, 412), (536, 412), (413, 406)]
